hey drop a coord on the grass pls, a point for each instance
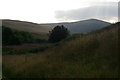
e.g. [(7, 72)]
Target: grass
[(7, 51), (90, 56), (72, 37)]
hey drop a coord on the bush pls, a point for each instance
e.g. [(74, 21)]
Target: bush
[(58, 33)]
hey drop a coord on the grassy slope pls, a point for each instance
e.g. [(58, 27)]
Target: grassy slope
[(43, 36), (93, 55), (26, 26)]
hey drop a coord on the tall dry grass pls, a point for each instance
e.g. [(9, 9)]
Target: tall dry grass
[(91, 56)]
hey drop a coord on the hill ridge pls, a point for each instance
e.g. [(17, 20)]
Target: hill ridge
[(83, 26)]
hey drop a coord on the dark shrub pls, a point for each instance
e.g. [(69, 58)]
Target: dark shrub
[(58, 33)]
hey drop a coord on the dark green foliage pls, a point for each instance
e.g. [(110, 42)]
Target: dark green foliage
[(58, 33), (14, 37), (8, 37), (24, 37)]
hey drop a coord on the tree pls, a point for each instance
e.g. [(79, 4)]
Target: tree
[(58, 33)]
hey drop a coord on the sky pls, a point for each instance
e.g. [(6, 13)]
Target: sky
[(53, 11)]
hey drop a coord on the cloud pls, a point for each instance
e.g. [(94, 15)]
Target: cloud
[(104, 11)]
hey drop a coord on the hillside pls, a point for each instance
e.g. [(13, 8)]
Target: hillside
[(25, 26), (82, 26), (94, 55)]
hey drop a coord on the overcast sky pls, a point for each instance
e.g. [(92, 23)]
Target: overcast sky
[(50, 11)]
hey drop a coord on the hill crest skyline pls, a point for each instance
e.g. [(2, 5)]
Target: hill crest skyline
[(57, 22)]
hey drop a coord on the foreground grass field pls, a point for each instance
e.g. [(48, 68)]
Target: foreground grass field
[(91, 56)]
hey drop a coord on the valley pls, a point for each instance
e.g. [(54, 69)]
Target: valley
[(90, 55)]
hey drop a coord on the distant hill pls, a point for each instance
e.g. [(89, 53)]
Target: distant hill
[(25, 26), (82, 26), (74, 27)]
